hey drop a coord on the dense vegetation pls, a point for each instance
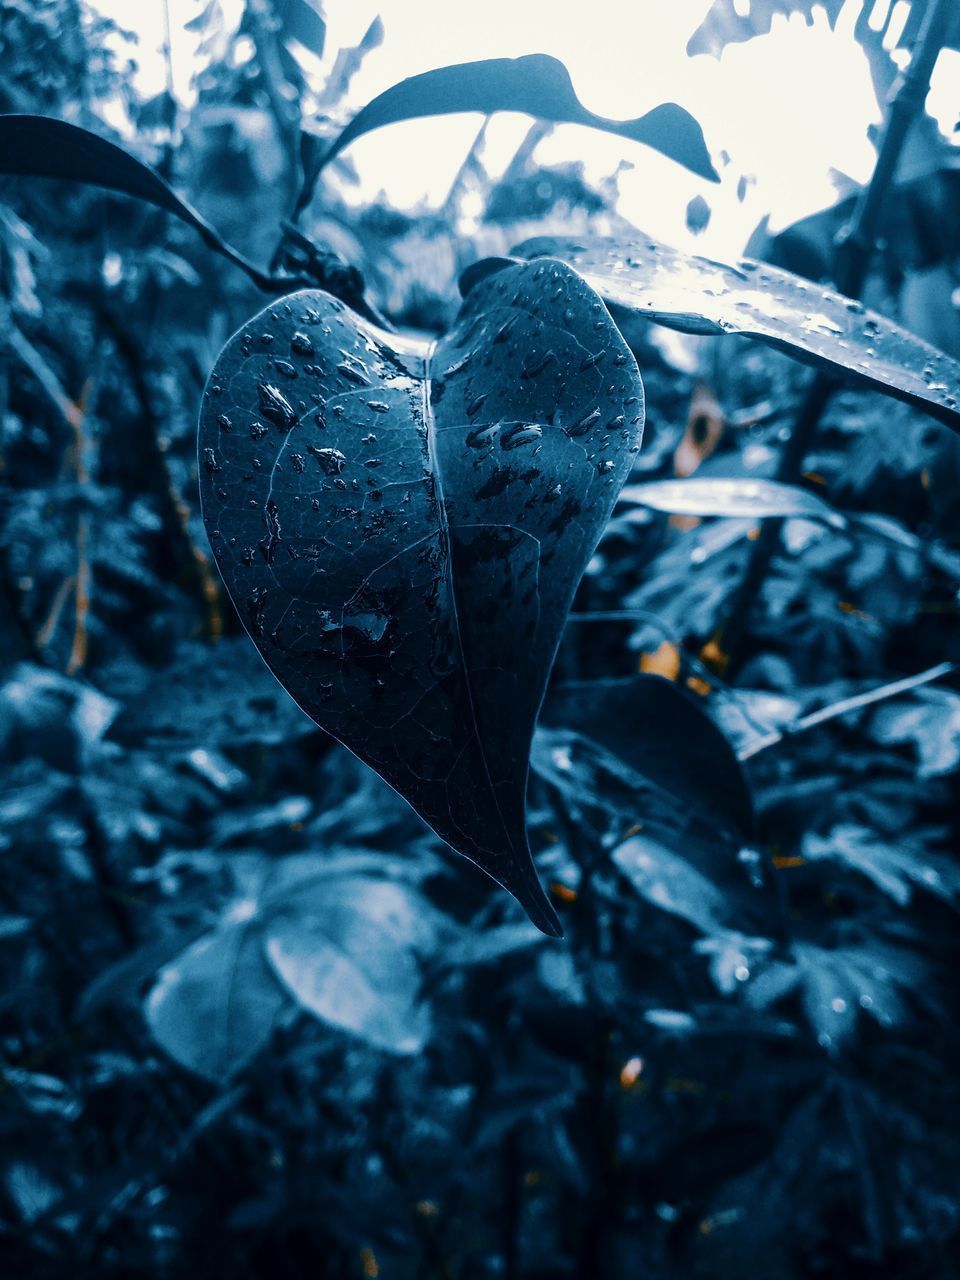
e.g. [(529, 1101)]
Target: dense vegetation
[(257, 1018)]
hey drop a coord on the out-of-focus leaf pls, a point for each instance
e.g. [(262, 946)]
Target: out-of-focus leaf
[(930, 721), (667, 880), (214, 696), (537, 85), (302, 20), (347, 954), (808, 321), (896, 869), (731, 496), (216, 1006), (837, 983), (402, 533), (41, 147), (730, 22), (308, 931), (662, 733)]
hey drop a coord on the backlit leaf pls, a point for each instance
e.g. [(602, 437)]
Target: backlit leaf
[(733, 496)]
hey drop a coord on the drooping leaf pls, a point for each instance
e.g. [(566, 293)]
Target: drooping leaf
[(807, 321), (537, 85), (41, 147), (402, 530), (731, 496)]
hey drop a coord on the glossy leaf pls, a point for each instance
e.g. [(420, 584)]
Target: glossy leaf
[(736, 496), (402, 530), (808, 321), (537, 85), (41, 147)]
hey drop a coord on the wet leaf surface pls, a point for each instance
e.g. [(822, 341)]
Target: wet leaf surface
[(402, 531), (814, 324)]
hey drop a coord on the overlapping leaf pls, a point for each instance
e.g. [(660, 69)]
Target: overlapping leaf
[(812, 323), (402, 531)]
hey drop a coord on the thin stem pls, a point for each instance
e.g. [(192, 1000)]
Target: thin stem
[(843, 708)]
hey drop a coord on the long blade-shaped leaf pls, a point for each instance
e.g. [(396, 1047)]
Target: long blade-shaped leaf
[(537, 85), (735, 496), (402, 531), (697, 295), (40, 147)]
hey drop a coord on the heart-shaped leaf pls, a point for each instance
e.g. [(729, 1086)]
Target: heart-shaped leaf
[(536, 85), (697, 295), (402, 529)]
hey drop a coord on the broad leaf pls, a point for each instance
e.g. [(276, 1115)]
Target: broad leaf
[(537, 85), (308, 930), (347, 956), (736, 497), (41, 147), (402, 530), (808, 321), (661, 733)]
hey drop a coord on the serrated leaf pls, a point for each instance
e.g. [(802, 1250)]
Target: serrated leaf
[(731, 497), (807, 321), (402, 529), (537, 85)]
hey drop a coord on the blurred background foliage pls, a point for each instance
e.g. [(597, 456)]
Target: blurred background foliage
[(256, 1020)]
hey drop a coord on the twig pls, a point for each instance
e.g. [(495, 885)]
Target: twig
[(847, 705), (27, 353)]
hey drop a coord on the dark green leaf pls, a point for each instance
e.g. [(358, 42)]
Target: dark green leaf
[(697, 295), (402, 531)]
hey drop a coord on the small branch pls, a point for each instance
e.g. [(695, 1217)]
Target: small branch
[(27, 353), (848, 705)]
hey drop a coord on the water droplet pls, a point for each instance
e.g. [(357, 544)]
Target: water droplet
[(210, 461), (352, 374), (584, 424), (332, 461), (301, 344), (275, 406), (378, 406), (520, 433), (285, 367)]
